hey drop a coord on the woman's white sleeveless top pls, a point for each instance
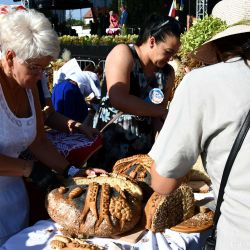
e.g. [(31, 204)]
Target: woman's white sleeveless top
[(16, 134)]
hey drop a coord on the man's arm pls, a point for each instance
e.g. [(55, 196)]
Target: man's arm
[(163, 185)]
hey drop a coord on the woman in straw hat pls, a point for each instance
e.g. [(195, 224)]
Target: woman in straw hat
[(204, 118)]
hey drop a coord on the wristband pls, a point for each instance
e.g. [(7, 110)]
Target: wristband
[(70, 171)]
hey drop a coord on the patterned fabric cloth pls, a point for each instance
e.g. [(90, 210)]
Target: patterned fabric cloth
[(76, 148), (129, 134)]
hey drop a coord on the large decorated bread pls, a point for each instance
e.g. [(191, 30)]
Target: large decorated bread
[(137, 167), (166, 211), (102, 206)]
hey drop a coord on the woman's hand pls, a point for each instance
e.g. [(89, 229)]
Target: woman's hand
[(77, 127), (90, 171), (88, 131), (73, 171), (94, 171)]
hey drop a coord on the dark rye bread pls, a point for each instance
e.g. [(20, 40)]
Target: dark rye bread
[(166, 211), (103, 206), (137, 167)]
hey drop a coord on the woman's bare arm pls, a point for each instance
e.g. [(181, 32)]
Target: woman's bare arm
[(118, 67)]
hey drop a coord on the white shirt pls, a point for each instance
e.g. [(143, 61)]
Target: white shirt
[(90, 84), (205, 116), (87, 81)]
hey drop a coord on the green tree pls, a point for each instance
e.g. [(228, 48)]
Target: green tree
[(74, 22)]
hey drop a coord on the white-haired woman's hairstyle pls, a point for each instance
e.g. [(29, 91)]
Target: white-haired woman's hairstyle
[(29, 34)]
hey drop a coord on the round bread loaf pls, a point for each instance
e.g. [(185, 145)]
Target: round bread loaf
[(103, 206), (165, 211), (137, 167)]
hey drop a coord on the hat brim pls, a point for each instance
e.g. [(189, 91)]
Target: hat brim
[(206, 53)]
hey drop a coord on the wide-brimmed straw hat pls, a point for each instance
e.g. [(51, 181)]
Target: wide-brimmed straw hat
[(235, 13)]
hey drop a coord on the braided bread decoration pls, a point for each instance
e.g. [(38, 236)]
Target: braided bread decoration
[(137, 167), (103, 206)]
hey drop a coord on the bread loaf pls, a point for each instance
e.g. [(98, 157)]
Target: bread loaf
[(197, 223), (60, 242), (137, 167), (198, 173), (165, 211), (198, 186), (101, 206)]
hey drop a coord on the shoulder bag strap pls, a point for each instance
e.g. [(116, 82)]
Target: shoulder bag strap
[(233, 153), (115, 117)]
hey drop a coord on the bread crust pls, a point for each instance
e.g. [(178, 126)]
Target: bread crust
[(138, 168), (165, 211), (101, 206), (60, 242)]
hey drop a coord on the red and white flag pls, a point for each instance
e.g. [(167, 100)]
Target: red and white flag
[(172, 11)]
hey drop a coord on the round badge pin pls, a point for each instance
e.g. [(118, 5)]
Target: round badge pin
[(156, 96)]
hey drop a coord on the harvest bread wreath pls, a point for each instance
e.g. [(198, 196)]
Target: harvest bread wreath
[(103, 206)]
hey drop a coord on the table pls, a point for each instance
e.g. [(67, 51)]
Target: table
[(38, 237)]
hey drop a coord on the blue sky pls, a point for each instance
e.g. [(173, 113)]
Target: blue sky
[(75, 13)]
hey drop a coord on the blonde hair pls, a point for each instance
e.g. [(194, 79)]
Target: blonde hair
[(29, 34)]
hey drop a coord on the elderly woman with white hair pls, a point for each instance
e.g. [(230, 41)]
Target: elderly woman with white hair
[(28, 44), (205, 116)]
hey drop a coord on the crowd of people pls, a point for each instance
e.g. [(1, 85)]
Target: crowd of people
[(203, 118)]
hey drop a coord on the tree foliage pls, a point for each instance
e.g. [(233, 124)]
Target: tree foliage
[(74, 22)]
